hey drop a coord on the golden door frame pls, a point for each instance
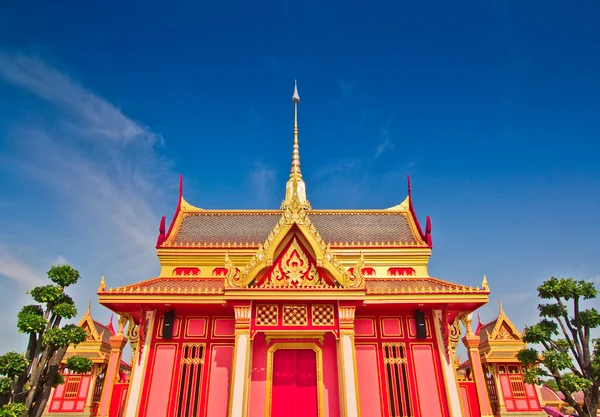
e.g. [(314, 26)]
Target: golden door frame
[(320, 387)]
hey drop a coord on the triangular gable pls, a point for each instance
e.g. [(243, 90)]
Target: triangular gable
[(294, 266), (294, 221), (504, 330), (87, 324)]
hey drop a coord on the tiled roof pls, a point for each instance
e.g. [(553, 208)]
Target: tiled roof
[(489, 327), (214, 228), (102, 328), (175, 285), (415, 285)]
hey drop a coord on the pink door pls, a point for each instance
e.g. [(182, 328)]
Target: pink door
[(294, 391)]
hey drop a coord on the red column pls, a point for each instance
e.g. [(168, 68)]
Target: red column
[(471, 341), (117, 343)]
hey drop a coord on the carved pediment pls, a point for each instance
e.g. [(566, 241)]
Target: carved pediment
[(295, 267), (504, 330), (294, 223), (506, 333)]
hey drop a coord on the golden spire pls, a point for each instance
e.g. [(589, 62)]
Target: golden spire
[(295, 190)]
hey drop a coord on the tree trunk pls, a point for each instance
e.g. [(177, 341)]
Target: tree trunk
[(591, 399), (46, 389), (19, 394), (36, 373)]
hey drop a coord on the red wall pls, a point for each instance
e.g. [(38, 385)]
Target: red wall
[(518, 396), (71, 396), (420, 393), (168, 384)]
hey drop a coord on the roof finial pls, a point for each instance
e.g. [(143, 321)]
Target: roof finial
[(295, 191), (89, 309)]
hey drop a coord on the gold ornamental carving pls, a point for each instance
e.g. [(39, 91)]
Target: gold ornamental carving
[(295, 269), (295, 315), (123, 320), (267, 315), (323, 315), (294, 215), (242, 315), (133, 334)]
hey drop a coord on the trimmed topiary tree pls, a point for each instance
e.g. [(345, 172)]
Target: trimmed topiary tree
[(569, 354), (27, 379)]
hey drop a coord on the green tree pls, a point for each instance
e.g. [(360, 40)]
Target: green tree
[(27, 379), (569, 354)]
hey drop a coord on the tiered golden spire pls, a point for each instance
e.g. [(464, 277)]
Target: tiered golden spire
[(295, 190)]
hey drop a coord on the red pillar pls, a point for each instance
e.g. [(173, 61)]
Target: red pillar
[(117, 343), (471, 341)]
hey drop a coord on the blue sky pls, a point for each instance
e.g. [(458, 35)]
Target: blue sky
[(491, 107)]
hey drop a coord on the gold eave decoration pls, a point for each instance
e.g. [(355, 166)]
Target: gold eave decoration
[(404, 209), (184, 209), (295, 214)]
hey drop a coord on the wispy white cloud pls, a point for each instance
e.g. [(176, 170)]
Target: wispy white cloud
[(102, 169), (60, 260), (13, 267), (99, 116)]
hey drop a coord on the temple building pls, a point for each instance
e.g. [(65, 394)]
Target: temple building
[(80, 394), (296, 312), (500, 342)]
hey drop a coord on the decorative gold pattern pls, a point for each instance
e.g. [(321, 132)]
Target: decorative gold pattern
[(484, 284), (293, 215), (346, 315), (288, 334), (102, 285), (295, 269), (133, 334), (295, 315), (454, 334), (123, 319), (395, 359), (242, 315), (266, 315), (323, 315), (504, 334), (504, 328), (198, 358)]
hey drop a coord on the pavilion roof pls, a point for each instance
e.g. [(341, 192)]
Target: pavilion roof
[(212, 228)]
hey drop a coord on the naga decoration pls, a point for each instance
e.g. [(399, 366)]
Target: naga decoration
[(357, 278), (123, 319), (133, 334), (143, 334)]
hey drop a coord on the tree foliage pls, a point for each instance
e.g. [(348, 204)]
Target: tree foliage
[(568, 354), (26, 380)]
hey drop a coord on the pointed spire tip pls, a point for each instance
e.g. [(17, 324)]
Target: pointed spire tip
[(296, 96)]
